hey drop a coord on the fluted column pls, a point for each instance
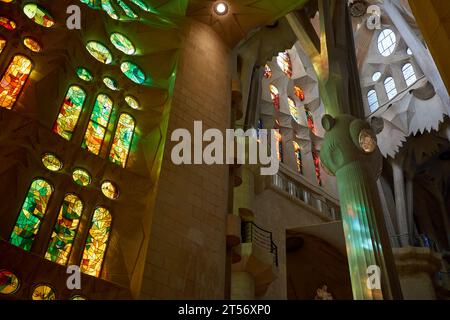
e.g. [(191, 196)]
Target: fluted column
[(400, 201)]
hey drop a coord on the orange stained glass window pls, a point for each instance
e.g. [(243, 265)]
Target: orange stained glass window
[(299, 93), (267, 72), (6, 23), (13, 80), (32, 44), (275, 95), (2, 43), (284, 62), (96, 242)]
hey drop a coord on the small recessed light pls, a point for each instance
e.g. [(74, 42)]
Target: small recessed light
[(221, 8)]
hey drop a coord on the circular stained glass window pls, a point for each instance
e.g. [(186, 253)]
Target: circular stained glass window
[(133, 72), (43, 292), (376, 76), (9, 283), (32, 44), (81, 177), (122, 43), (132, 102), (51, 162), (38, 14), (99, 52), (110, 83), (84, 74), (110, 190), (386, 42)]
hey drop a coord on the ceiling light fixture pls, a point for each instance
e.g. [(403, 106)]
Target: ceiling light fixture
[(221, 8)]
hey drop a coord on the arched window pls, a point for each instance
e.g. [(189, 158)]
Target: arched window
[(39, 15), (267, 72), (96, 243), (96, 130), (299, 93), (65, 230), (70, 112), (2, 43), (275, 95), (387, 42), (109, 9), (409, 74), (310, 118), (30, 217), (298, 157), (391, 90), (293, 109), (372, 99), (279, 147), (316, 159), (128, 11), (14, 80), (284, 62), (122, 140)]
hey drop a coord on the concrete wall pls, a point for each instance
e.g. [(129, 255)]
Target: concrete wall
[(186, 258)]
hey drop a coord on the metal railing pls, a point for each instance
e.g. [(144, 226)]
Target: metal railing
[(251, 233), (294, 188)]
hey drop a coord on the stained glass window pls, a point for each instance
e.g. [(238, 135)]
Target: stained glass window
[(7, 23), (84, 74), (409, 74), (51, 162), (70, 112), (2, 43), (110, 83), (99, 52), (43, 292), (32, 212), (294, 110), (38, 15), (90, 3), (32, 44), (81, 177), (96, 242), (122, 140), (128, 11), (132, 102), (9, 283), (310, 118), (141, 4), (13, 80), (96, 130), (275, 95), (279, 146), (316, 159), (267, 72), (298, 156), (133, 72), (110, 190), (109, 9), (299, 93), (65, 230), (78, 297), (122, 43), (284, 62)]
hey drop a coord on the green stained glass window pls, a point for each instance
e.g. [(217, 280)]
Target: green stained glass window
[(95, 132), (78, 297), (132, 102), (90, 3), (81, 177), (70, 112), (38, 14), (122, 43), (128, 11), (122, 140), (99, 52), (133, 72), (84, 74), (96, 242), (109, 9), (32, 212), (13, 80), (110, 190), (110, 83), (65, 230), (51, 162), (43, 292), (9, 283), (141, 4)]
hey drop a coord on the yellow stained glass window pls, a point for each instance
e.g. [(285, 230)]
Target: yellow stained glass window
[(96, 242), (122, 140), (38, 14), (8, 24), (70, 112), (51, 162), (99, 52), (275, 95), (284, 62), (132, 102), (110, 190), (43, 292), (294, 110), (32, 44), (9, 283), (13, 80), (81, 177), (2, 43), (65, 230), (298, 156)]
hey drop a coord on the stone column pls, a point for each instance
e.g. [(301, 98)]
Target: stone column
[(400, 200)]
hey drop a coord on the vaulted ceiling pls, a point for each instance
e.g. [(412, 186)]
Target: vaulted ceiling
[(243, 15)]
